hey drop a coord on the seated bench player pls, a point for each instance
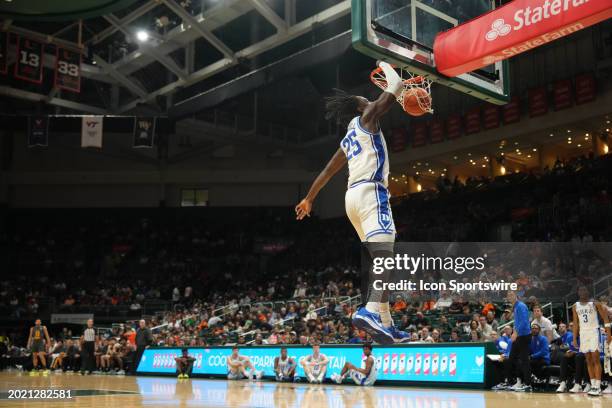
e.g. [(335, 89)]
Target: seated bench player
[(361, 376), (184, 364), (284, 367), (315, 365), (238, 365)]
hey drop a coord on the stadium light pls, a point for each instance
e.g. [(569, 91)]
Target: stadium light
[(142, 36)]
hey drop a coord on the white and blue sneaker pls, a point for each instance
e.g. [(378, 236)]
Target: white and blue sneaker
[(370, 323), (399, 336)]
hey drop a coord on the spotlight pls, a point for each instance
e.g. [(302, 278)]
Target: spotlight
[(142, 36)]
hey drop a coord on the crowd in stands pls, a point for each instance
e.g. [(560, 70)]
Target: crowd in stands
[(568, 202), (265, 279)]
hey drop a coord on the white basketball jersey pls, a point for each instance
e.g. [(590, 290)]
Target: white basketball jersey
[(283, 365), (371, 378), (366, 153), (587, 316)]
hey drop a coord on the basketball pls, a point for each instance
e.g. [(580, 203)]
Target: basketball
[(416, 101)]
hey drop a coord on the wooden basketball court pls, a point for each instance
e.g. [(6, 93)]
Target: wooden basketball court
[(112, 391)]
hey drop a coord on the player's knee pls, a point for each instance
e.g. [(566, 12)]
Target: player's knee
[(382, 237)]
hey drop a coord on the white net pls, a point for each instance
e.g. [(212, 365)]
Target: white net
[(414, 84)]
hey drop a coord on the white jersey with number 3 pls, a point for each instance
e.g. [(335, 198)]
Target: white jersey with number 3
[(587, 316), (366, 153)]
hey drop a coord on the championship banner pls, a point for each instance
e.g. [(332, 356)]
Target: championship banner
[(562, 94), (586, 89), (472, 121), (419, 136), (490, 116), (398, 139), (511, 111), (518, 26), (453, 126), (436, 131), (538, 102), (3, 52), (29, 60), (144, 131), (38, 131), (91, 131), (67, 70)]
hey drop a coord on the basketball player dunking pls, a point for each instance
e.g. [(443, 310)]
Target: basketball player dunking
[(586, 324), (367, 197)]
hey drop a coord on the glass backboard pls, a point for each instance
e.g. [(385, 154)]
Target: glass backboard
[(402, 32)]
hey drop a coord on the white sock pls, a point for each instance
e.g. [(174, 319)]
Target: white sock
[(593, 383), (372, 307), (385, 314), (597, 383)]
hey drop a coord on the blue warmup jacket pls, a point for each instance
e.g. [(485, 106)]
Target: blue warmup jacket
[(539, 348), (521, 319)]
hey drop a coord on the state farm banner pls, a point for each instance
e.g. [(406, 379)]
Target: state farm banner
[(518, 26)]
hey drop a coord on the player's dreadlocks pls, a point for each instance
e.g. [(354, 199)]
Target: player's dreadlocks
[(342, 106)]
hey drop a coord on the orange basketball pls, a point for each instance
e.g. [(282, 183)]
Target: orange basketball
[(417, 101)]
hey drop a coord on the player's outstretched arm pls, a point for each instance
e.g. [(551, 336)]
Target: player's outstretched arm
[(337, 161), (375, 110)]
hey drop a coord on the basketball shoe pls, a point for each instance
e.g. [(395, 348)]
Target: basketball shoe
[(370, 323)]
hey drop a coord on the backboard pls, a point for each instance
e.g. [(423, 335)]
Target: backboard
[(402, 32)]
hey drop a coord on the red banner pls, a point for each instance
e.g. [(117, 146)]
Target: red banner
[(512, 111), (436, 131), (398, 139), (490, 116), (29, 60), (538, 102), (453, 126), (472, 121), (518, 26), (419, 137), (586, 89), (3, 52), (562, 94), (68, 70)]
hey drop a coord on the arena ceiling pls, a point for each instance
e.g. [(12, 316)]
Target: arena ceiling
[(193, 47)]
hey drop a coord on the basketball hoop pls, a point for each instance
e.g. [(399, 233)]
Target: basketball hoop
[(416, 95)]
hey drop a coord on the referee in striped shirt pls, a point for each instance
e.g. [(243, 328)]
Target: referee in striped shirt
[(88, 359)]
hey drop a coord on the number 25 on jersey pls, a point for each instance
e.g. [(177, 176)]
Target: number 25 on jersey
[(350, 145)]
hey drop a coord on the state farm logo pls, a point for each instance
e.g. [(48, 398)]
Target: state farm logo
[(499, 28)]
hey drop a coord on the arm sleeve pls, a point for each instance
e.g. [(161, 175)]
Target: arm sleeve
[(394, 82)]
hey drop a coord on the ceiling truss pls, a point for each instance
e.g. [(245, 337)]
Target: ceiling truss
[(120, 73)]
